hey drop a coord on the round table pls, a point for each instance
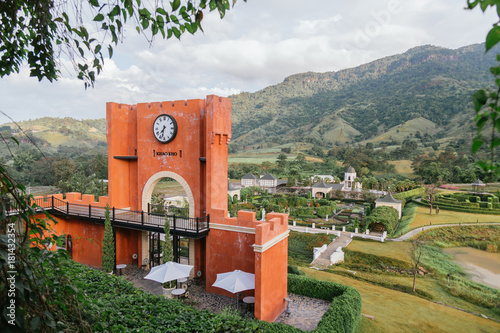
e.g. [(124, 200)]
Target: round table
[(181, 281), (120, 267), (249, 300), (178, 292)]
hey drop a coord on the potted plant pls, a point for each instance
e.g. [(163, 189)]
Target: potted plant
[(108, 244)]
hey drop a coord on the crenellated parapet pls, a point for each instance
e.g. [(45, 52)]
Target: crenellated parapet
[(72, 198)]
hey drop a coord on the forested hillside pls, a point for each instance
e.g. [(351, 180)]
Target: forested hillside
[(426, 83), (426, 89)]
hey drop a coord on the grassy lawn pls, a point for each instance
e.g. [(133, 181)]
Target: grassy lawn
[(403, 167), (395, 250), (300, 246), (256, 158), (423, 218), (169, 188), (395, 311)]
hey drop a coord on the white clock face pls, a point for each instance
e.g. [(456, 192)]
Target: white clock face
[(165, 128)]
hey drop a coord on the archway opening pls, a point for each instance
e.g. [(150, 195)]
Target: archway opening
[(169, 197)]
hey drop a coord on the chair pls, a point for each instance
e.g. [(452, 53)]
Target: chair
[(288, 311)]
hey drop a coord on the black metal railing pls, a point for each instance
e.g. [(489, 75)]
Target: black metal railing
[(187, 226)]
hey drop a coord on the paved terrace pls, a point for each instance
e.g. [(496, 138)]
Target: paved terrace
[(305, 313)]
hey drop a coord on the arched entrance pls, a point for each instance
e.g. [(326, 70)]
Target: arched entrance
[(147, 192), (377, 227), (154, 239)]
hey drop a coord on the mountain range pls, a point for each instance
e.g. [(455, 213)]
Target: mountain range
[(425, 91)]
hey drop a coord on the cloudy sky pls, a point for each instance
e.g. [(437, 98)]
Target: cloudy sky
[(257, 44)]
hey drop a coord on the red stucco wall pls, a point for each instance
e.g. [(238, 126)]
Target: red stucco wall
[(87, 240)]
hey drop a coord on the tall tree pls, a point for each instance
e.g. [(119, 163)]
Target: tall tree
[(431, 192), (168, 252), (108, 243), (416, 252), (281, 161)]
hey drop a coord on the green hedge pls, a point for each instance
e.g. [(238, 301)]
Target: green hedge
[(440, 202), (344, 312), (416, 192), (295, 211), (323, 211), (460, 209), (388, 216)]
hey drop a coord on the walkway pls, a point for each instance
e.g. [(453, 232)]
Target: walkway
[(196, 228), (323, 261), (418, 230)]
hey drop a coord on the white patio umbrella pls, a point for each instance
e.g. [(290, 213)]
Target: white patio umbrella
[(169, 271), (235, 282)]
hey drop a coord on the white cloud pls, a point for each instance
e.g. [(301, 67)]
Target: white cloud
[(257, 44)]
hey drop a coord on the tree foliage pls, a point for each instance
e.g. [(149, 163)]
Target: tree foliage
[(108, 243), (168, 252), (486, 101), (33, 285), (39, 32)]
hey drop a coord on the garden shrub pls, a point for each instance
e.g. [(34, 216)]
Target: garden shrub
[(486, 205), (295, 211), (324, 210), (461, 209), (345, 310), (388, 216), (474, 199), (294, 270), (416, 192)]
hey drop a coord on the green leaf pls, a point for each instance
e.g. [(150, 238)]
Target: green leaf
[(483, 165), (479, 98), (174, 19), (481, 120), (175, 4), (115, 11), (94, 3), (493, 37), (35, 323), (176, 32), (495, 143), (110, 51), (477, 143), (99, 17), (161, 11)]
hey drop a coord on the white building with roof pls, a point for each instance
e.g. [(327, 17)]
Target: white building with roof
[(389, 201), (320, 190), (249, 180), (268, 180)]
